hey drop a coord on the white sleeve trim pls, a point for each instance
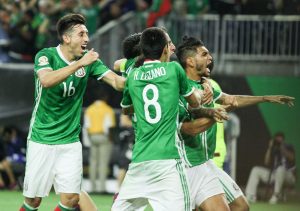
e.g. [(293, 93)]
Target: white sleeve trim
[(108, 71), (188, 94), (218, 97), (125, 106), (44, 68)]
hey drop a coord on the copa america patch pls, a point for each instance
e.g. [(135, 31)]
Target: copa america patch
[(80, 73), (43, 60)]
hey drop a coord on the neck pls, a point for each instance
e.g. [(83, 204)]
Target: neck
[(66, 52), (192, 74), (164, 58)]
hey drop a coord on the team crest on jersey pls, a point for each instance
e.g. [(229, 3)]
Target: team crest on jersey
[(80, 73), (43, 60)]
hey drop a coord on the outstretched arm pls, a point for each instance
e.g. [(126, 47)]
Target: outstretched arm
[(239, 101), (114, 80)]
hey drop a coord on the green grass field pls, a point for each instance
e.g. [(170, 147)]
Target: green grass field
[(11, 201)]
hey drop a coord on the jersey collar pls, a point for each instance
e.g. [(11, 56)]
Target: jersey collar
[(148, 61), (62, 56)]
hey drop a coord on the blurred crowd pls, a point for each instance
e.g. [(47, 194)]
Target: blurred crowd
[(12, 157), (27, 26)]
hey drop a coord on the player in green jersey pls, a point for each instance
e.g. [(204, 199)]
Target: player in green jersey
[(131, 50), (206, 191), (192, 56), (54, 153), (155, 174)]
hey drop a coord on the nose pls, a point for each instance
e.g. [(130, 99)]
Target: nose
[(86, 37), (173, 48)]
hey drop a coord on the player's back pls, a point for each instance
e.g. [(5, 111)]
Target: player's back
[(154, 89)]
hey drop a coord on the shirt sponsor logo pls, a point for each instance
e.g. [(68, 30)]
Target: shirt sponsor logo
[(80, 73), (43, 60)]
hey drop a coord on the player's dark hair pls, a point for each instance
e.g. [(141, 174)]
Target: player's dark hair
[(131, 47), (153, 41), (187, 48), (67, 22)]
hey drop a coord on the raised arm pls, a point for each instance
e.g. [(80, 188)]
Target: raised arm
[(50, 78)]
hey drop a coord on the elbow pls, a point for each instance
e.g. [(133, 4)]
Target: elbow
[(120, 84), (46, 84)]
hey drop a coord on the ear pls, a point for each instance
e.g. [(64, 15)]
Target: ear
[(166, 50), (165, 54), (66, 38), (190, 61)]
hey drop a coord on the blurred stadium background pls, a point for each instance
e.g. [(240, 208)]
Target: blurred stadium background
[(255, 44)]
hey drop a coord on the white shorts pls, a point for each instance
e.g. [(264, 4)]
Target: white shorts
[(232, 190), (162, 183), (203, 184), (46, 165)]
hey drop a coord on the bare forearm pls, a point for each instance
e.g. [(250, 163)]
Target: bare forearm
[(246, 100), (49, 78), (197, 126), (202, 112)]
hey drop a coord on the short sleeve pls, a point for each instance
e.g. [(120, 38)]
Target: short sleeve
[(216, 94), (126, 101), (43, 60), (99, 70), (184, 86)]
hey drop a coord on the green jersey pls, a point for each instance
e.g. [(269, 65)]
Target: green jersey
[(153, 89), (57, 110), (195, 148), (127, 67), (209, 137)]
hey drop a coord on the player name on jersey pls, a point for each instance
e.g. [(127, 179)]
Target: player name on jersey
[(150, 74)]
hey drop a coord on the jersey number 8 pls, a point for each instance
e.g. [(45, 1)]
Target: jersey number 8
[(153, 102)]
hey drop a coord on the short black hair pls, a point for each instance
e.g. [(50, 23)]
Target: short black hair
[(153, 41), (131, 47), (188, 47), (67, 22)]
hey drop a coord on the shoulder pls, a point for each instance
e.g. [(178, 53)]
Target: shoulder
[(45, 53), (44, 56), (175, 64)]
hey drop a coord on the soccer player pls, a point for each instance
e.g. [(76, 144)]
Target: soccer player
[(193, 56), (156, 174), (131, 50), (54, 154)]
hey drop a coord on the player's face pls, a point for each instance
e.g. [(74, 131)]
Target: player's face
[(172, 47), (202, 59), (78, 40)]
